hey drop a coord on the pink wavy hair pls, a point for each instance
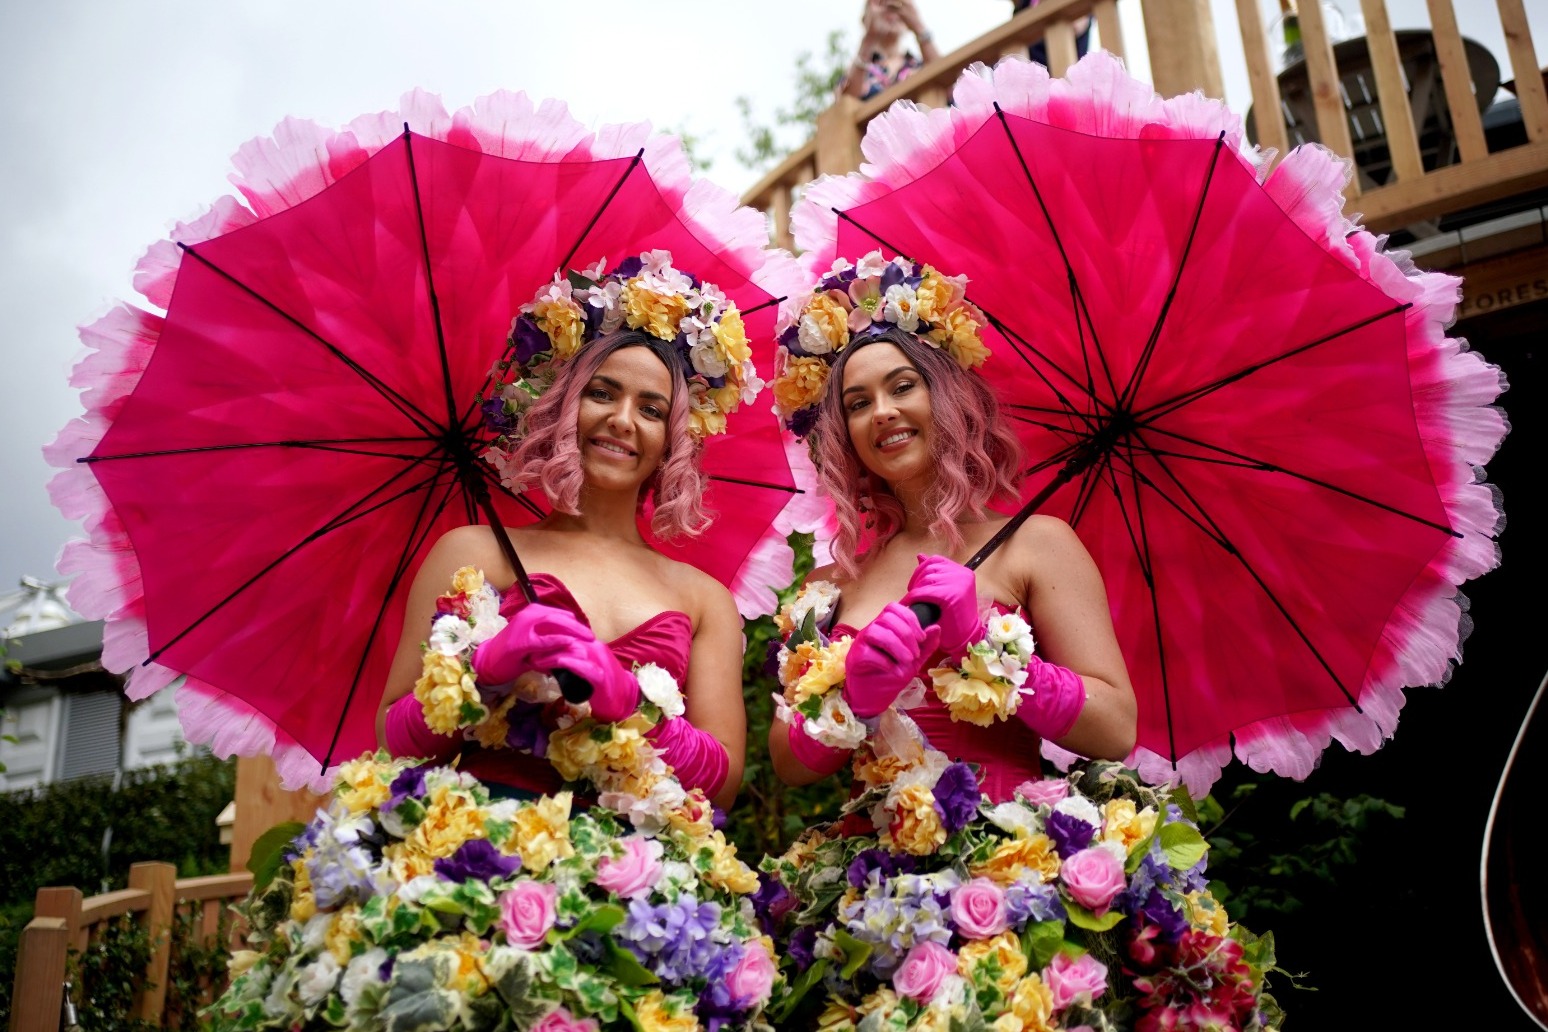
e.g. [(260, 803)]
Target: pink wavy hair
[(977, 458), (549, 452)]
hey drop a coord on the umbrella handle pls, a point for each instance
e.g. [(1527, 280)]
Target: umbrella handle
[(928, 613), (575, 688)]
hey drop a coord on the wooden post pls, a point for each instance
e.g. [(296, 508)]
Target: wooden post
[(1266, 115), (1396, 112), (1183, 56), (64, 902), (1523, 68), (1060, 45), (261, 804), (838, 138), (38, 990), (159, 879), (1109, 32)]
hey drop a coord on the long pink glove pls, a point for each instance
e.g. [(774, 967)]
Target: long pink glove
[(884, 657), (555, 639), (953, 588), (824, 759), (1058, 696), (409, 735), (696, 757), (508, 654)]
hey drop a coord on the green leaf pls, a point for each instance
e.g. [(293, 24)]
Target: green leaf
[(601, 919), (1185, 803), (1080, 917), (624, 967), (807, 631), (798, 990), (1183, 845), (265, 858), (855, 952), (1040, 941), (579, 282)]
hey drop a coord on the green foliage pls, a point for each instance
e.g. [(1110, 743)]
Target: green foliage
[(196, 971), (816, 78), (769, 814), (1264, 872), (107, 975)]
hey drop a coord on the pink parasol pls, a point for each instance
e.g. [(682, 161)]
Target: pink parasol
[(261, 469), (1249, 411)]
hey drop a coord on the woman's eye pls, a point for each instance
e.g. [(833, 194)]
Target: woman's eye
[(653, 412), (903, 387), (597, 394)]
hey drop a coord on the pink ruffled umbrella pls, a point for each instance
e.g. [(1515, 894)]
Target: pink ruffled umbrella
[(261, 469), (1250, 411)]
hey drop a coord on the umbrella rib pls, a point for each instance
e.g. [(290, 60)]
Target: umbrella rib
[(1069, 268), (1088, 487), (398, 401), (435, 301), (333, 524), (1132, 390), (1243, 461), (634, 163), (414, 541), (493, 480), (1147, 565), (1224, 540), (1175, 402), (768, 485), (1018, 342), (314, 445)]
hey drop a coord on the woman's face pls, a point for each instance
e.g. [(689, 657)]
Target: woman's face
[(623, 419), (882, 16), (887, 408)]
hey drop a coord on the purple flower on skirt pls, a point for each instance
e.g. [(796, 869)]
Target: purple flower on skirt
[(715, 1007), (529, 340), (801, 946), (771, 902), (410, 782), (1031, 901), (525, 728), (889, 865), (1070, 834), (1159, 911), (956, 797), (477, 860)]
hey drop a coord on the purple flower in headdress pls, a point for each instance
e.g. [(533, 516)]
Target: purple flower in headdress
[(891, 276), (477, 860), (528, 339), (1070, 834), (801, 421), (956, 797), (629, 267), (496, 419)]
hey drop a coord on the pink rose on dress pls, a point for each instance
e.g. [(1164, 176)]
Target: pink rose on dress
[(752, 979), (561, 1020), (978, 909), (1075, 979), (634, 873), (1093, 876), (920, 975), (1051, 791), (527, 913)]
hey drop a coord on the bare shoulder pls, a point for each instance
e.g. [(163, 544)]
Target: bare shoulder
[(1048, 535), (1045, 552), (829, 573), (704, 596)]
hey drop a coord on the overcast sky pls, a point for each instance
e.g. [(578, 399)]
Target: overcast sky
[(120, 119)]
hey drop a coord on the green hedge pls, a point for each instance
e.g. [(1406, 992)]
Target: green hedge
[(54, 835)]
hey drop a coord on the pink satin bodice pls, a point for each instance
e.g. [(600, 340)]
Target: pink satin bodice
[(665, 639), (1007, 753)]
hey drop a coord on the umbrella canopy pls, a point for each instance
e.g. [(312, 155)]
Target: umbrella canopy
[(262, 469), (1248, 410)]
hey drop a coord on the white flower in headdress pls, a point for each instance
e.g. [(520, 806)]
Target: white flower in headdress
[(812, 338), (605, 297), (900, 307), (840, 264), (752, 383), (870, 265)]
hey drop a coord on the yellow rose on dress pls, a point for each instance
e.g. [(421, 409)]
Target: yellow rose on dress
[(1012, 858), (656, 314), (564, 322), (837, 1016), (451, 818), (825, 671), (360, 786), (970, 699), (656, 1015), (726, 870), (460, 965), (540, 832), (915, 826), (1031, 1008), (800, 384), (343, 929), (1206, 913), (996, 961), (1124, 825), (303, 903), (732, 337), (878, 770), (493, 729), (405, 862), (883, 1000), (443, 686)]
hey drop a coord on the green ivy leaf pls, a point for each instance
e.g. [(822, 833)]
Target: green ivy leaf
[(265, 858), (625, 968), (798, 990), (1040, 941), (1183, 845), (1080, 917), (855, 952)]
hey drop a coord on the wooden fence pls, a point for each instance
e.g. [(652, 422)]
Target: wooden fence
[(64, 922)]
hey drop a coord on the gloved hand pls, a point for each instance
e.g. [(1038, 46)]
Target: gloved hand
[(508, 655), (1057, 697), (824, 759), (555, 639), (696, 757), (884, 657), (409, 735), (952, 587)]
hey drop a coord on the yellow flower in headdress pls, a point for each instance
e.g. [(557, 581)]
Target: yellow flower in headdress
[(657, 314), (824, 325), (800, 384), (565, 324), (732, 335), (958, 332), (934, 295)]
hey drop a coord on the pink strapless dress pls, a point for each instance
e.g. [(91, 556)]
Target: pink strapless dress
[(1007, 753), (665, 639)]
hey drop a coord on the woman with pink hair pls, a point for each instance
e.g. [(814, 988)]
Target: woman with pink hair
[(876, 372), (608, 411)]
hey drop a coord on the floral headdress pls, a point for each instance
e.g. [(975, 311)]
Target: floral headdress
[(647, 294), (864, 299)]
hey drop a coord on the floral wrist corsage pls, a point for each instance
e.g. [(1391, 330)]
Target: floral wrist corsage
[(985, 685), (811, 669)]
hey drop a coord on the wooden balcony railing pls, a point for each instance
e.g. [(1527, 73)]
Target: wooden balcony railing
[(1183, 51), (64, 922)]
